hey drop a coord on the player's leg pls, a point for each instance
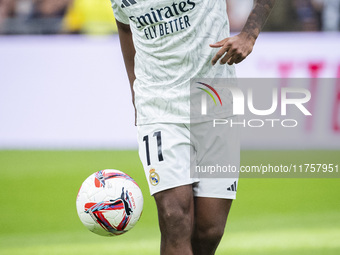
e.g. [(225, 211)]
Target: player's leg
[(210, 219), (176, 215), (164, 150), (215, 146)]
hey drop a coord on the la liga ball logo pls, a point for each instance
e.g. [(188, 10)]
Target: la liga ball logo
[(109, 202), (97, 212)]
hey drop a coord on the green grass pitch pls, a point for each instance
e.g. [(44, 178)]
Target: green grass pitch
[(270, 216)]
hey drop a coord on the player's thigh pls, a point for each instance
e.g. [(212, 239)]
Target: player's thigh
[(176, 211), (211, 216), (164, 150)]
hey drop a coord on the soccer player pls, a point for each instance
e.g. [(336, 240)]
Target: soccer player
[(165, 43)]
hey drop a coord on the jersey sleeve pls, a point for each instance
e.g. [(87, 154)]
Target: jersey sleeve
[(119, 14)]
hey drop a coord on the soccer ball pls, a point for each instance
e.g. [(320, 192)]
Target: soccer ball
[(109, 202)]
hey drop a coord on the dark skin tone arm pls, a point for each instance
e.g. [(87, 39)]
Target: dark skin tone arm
[(235, 49), (128, 51)]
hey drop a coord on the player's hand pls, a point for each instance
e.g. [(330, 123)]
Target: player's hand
[(233, 49)]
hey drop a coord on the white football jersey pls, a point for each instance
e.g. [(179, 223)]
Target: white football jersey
[(172, 38)]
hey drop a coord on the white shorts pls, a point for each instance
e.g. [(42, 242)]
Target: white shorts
[(173, 155)]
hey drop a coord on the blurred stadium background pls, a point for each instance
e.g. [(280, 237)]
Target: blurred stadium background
[(95, 17), (65, 113)]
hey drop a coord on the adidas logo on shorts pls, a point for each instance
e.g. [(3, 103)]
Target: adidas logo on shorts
[(233, 187), (127, 3)]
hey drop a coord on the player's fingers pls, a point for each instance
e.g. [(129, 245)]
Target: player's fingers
[(235, 59), (238, 60), (240, 56), (216, 45), (227, 56), (218, 55), (219, 44), (225, 59), (231, 60)]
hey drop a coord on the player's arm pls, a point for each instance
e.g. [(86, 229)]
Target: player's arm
[(128, 50), (240, 46)]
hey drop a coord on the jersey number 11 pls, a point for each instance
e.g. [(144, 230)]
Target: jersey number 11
[(158, 136)]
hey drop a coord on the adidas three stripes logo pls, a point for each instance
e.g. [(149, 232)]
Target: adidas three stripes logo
[(127, 3), (233, 187)]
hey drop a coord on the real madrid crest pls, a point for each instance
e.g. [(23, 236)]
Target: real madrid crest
[(153, 177)]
